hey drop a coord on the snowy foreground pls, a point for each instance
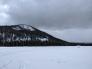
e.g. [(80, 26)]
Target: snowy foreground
[(46, 57)]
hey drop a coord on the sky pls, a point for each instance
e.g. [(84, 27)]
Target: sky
[(70, 20)]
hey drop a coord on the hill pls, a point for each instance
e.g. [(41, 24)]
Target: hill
[(25, 35)]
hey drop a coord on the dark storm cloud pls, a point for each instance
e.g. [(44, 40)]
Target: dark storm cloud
[(52, 13)]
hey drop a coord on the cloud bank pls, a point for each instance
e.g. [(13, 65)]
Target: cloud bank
[(51, 13)]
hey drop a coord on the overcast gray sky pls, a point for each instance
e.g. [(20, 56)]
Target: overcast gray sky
[(67, 17)]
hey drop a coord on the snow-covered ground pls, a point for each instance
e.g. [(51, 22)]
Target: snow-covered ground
[(46, 57)]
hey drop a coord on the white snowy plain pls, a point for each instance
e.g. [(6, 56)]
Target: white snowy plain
[(57, 57)]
